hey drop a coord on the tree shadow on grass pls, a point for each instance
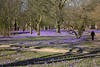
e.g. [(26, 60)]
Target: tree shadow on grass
[(50, 59)]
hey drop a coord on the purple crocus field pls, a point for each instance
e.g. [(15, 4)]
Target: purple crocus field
[(57, 38)]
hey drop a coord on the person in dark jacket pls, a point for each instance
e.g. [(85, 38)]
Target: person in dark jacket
[(92, 35)]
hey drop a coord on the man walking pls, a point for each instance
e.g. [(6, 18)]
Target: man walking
[(92, 34)]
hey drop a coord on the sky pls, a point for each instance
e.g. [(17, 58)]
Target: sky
[(23, 5)]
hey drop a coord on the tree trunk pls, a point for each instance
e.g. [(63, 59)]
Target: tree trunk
[(49, 27), (31, 28), (23, 29), (38, 28), (15, 26), (18, 28), (45, 28), (26, 26), (8, 31), (80, 30), (58, 28)]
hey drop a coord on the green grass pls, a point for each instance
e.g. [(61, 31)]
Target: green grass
[(87, 44), (22, 55), (89, 62), (98, 61), (6, 55), (34, 38), (43, 38), (40, 38), (7, 52)]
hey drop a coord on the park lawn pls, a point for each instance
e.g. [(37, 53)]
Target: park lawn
[(88, 62), (4, 53), (40, 38), (15, 56), (86, 44), (89, 44), (98, 61), (12, 56)]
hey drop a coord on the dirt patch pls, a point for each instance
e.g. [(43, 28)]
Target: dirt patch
[(48, 50), (4, 46)]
